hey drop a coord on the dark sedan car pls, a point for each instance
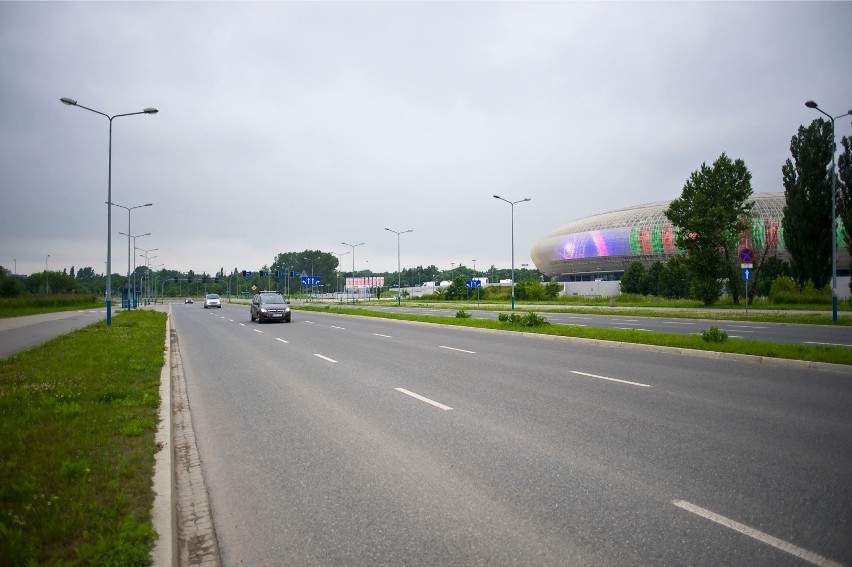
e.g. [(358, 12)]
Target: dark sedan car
[(270, 306)]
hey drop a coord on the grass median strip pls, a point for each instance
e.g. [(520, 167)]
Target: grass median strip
[(810, 353), (77, 422)]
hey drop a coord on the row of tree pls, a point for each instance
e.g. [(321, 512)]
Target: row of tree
[(714, 213)]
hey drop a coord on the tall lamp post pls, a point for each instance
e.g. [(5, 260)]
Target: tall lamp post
[(340, 256), (311, 260), (812, 104), (72, 102), (353, 246), (147, 260), (398, 265), (128, 209), (134, 258), (46, 285), (512, 204)]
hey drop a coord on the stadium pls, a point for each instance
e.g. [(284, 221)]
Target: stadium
[(600, 247)]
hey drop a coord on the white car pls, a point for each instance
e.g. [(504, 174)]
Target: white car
[(212, 300)]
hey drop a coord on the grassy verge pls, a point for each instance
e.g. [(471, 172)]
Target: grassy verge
[(77, 422), (33, 305), (812, 353)]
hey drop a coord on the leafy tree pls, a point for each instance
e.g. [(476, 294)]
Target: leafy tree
[(844, 200), (650, 283), (772, 269), (551, 290), (712, 211), (87, 273), (674, 280), (631, 281), (807, 209)]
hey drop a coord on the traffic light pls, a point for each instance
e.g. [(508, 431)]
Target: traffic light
[(244, 273), (263, 273)]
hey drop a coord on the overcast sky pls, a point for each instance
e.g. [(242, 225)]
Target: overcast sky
[(291, 126)]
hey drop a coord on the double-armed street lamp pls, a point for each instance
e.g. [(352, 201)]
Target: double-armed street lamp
[(72, 102), (398, 265), (815, 106), (512, 204), (340, 256), (353, 246), (128, 209)]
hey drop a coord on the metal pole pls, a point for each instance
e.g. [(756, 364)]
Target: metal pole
[(353, 246), (512, 204)]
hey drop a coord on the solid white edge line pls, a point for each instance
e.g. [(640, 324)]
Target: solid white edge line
[(324, 357), (422, 399), (282, 340), (804, 554), (826, 344), (456, 349), (610, 379)]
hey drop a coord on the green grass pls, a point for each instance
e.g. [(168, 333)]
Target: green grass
[(812, 353), (78, 417), (36, 304)]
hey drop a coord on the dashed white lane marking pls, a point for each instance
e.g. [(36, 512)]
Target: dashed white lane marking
[(804, 554), (737, 330), (258, 331), (336, 327), (678, 323), (282, 340), (385, 336), (826, 344), (324, 357), (457, 349), (610, 379), (242, 324), (231, 320), (422, 399), (635, 329), (311, 322)]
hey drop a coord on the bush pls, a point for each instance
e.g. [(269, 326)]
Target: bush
[(784, 291), (462, 314), (528, 320), (714, 335)]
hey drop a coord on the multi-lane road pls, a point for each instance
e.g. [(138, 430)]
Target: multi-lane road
[(338, 440)]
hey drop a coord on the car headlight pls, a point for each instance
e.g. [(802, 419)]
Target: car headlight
[(263, 309), (286, 309)]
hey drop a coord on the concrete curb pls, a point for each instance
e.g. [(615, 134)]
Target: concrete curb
[(163, 512)]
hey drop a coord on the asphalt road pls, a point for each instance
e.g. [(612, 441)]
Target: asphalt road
[(759, 331), (21, 333), (339, 440)]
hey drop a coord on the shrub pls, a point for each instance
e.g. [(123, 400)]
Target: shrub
[(462, 314), (714, 335)]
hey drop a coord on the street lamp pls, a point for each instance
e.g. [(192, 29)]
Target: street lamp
[(512, 204), (340, 256), (398, 266), (46, 285), (134, 257), (147, 259), (353, 246), (128, 209), (812, 104), (311, 260), (72, 102)]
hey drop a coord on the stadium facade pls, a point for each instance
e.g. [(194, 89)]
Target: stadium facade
[(600, 247)]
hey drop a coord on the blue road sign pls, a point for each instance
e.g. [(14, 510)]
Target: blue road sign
[(747, 274), (473, 284), (311, 280)]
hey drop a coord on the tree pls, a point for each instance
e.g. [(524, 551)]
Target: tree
[(712, 211), (844, 199), (674, 280), (631, 281), (807, 209), (650, 283)]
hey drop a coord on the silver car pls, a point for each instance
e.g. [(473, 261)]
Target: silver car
[(212, 300)]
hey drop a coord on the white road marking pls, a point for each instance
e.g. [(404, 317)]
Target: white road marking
[(737, 330), (826, 344), (804, 554), (422, 399), (324, 357), (336, 327), (243, 324), (635, 329), (610, 379), (231, 320), (282, 340), (258, 331), (456, 349), (747, 327), (385, 336), (678, 323)]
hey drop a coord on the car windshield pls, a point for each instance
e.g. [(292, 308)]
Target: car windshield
[(271, 299), (212, 296)]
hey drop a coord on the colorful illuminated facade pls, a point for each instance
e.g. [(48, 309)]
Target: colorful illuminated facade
[(602, 246)]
